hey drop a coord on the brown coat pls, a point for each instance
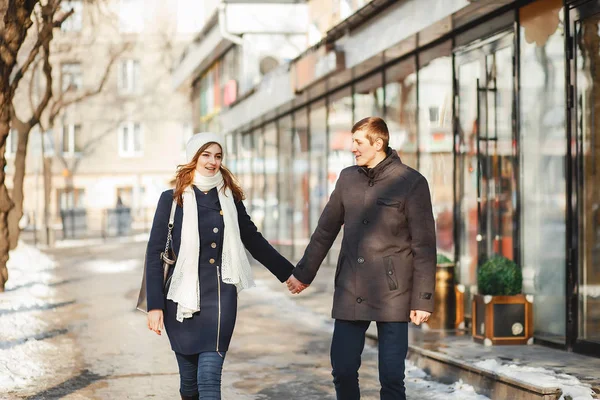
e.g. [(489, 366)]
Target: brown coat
[(387, 262)]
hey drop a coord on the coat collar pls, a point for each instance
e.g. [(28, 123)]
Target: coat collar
[(208, 200), (389, 161)]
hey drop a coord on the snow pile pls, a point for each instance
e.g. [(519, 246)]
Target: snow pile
[(541, 377), (26, 257)]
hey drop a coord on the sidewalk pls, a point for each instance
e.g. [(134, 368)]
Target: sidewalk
[(499, 372)]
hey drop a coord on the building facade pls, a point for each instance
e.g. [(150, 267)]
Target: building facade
[(120, 147), (493, 101)]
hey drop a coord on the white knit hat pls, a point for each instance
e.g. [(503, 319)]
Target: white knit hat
[(199, 140)]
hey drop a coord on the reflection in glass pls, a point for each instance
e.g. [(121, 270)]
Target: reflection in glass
[(257, 202), (368, 97), (588, 94), (318, 161), (435, 140), (301, 184), (270, 167), (466, 175), (543, 148), (285, 187), (340, 146), (401, 109), (245, 164)]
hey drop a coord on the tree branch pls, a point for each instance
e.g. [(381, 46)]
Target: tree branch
[(44, 35)]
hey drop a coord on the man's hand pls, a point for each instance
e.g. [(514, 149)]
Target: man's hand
[(417, 317), (155, 321), (294, 285)]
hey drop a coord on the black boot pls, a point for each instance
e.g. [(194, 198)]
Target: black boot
[(194, 397)]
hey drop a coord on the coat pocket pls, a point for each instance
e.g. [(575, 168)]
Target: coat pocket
[(389, 202), (338, 270), (390, 273)]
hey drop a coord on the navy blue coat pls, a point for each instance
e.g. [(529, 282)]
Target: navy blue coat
[(212, 327)]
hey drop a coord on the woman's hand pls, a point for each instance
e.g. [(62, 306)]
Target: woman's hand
[(155, 321)]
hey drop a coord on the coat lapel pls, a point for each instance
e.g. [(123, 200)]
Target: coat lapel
[(208, 200)]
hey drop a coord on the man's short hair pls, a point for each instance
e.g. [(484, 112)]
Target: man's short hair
[(376, 128)]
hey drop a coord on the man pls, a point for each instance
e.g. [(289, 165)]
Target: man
[(386, 267)]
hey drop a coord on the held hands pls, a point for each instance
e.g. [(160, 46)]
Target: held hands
[(155, 321), (294, 285), (417, 317)]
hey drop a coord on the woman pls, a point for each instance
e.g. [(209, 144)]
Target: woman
[(211, 231)]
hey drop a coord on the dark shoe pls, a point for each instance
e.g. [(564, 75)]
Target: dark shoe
[(195, 397)]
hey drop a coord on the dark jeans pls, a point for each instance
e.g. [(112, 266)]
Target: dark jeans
[(346, 350), (201, 374)]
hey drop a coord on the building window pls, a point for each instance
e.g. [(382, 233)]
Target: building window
[(68, 199), (12, 142), (130, 139), (71, 77), (129, 81), (131, 16), (71, 139), (74, 22)]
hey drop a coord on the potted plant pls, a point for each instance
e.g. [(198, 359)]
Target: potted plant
[(445, 307), (501, 313)]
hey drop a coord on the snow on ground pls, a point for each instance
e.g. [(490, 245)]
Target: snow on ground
[(29, 258), (541, 377)]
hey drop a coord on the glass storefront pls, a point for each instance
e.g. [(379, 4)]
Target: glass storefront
[(300, 178), (271, 166), (285, 193), (257, 200), (339, 120), (368, 97), (543, 164), (588, 152), (435, 139), (401, 109), (485, 123), (317, 161)]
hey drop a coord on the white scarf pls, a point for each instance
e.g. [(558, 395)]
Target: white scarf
[(235, 267)]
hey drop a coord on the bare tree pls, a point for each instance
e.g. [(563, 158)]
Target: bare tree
[(16, 21), (45, 23)]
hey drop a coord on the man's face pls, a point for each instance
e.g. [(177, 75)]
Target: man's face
[(364, 152)]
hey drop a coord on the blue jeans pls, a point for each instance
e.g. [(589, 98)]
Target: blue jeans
[(201, 374), (346, 349)]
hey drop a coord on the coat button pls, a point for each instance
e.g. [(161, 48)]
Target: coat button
[(365, 221), (361, 260), (221, 212), (390, 272), (216, 230), (371, 183), (212, 261), (359, 300), (213, 245)]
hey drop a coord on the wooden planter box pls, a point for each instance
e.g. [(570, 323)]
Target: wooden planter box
[(503, 319)]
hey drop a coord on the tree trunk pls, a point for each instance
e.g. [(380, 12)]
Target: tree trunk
[(17, 20), (16, 213)]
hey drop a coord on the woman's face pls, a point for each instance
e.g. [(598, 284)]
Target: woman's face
[(209, 161)]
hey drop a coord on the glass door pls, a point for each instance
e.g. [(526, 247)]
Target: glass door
[(587, 173), (485, 187)]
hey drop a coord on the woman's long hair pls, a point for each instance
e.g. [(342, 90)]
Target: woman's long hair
[(185, 176)]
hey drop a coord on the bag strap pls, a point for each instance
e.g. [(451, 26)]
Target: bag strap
[(171, 222)]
